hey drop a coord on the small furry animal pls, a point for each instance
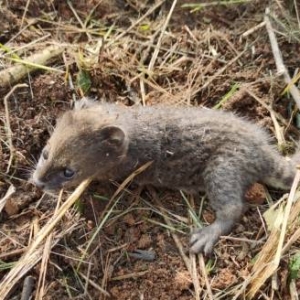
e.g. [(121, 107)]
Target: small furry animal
[(192, 149)]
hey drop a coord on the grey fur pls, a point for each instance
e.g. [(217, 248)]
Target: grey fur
[(192, 149)]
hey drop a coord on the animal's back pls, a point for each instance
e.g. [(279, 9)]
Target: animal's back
[(185, 142)]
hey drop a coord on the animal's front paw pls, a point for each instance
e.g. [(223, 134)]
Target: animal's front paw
[(204, 239)]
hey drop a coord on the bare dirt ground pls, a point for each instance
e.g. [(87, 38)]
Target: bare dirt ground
[(140, 53)]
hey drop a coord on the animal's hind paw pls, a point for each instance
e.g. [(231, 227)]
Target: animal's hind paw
[(204, 239)]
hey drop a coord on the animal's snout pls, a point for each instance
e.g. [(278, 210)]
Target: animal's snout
[(38, 183)]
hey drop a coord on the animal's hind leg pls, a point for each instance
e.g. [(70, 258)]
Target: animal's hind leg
[(226, 194)]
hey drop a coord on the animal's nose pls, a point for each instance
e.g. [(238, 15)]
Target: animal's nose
[(38, 183)]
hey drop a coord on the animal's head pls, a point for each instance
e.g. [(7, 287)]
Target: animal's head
[(84, 144)]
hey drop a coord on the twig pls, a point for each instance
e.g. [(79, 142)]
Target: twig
[(79, 20), (157, 48), (11, 190), (174, 236), (143, 92), (30, 23), (194, 275), (269, 259), (278, 130), (245, 240), (13, 253), (104, 215), (128, 276), (93, 284), (188, 30), (40, 290), (8, 128), (297, 13), (295, 237), (294, 291), (203, 269), (287, 212), (34, 251), (36, 61), (25, 12), (219, 72), (251, 30), (149, 12), (190, 263), (281, 69)]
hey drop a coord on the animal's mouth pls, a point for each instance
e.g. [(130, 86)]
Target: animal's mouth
[(45, 187), (51, 192)]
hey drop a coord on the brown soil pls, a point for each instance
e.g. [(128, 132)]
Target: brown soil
[(202, 56)]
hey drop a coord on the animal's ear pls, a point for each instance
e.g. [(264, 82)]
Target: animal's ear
[(84, 103), (113, 135), (65, 120)]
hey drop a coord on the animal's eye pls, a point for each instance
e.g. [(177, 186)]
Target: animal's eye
[(68, 173), (45, 154)]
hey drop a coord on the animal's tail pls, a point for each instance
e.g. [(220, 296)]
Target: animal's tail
[(283, 173)]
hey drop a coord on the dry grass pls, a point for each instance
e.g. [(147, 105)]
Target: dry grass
[(158, 58), (41, 245)]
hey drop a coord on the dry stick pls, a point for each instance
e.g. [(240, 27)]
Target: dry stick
[(11, 190), (25, 12), (151, 84), (40, 290), (281, 69), (188, 30), (88, 18), (109, 204), (194, 275), (30, 23), (297, 13), (8, 128), (33, 254), (203, 272), (294, 216), (222, 36), (190, 264), (193, 271), (36, 61), (268, 108), (294, 291), (278, 130), (207, 283), (13, 253), (251, 30), (268, 262), (157, 48), (128, 276), (218, 73), (143, 91), (86, 285), (95, 285), (36, 42), (295, 237), (107, 272), (149, 12), (175, 238), (79, 20)]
